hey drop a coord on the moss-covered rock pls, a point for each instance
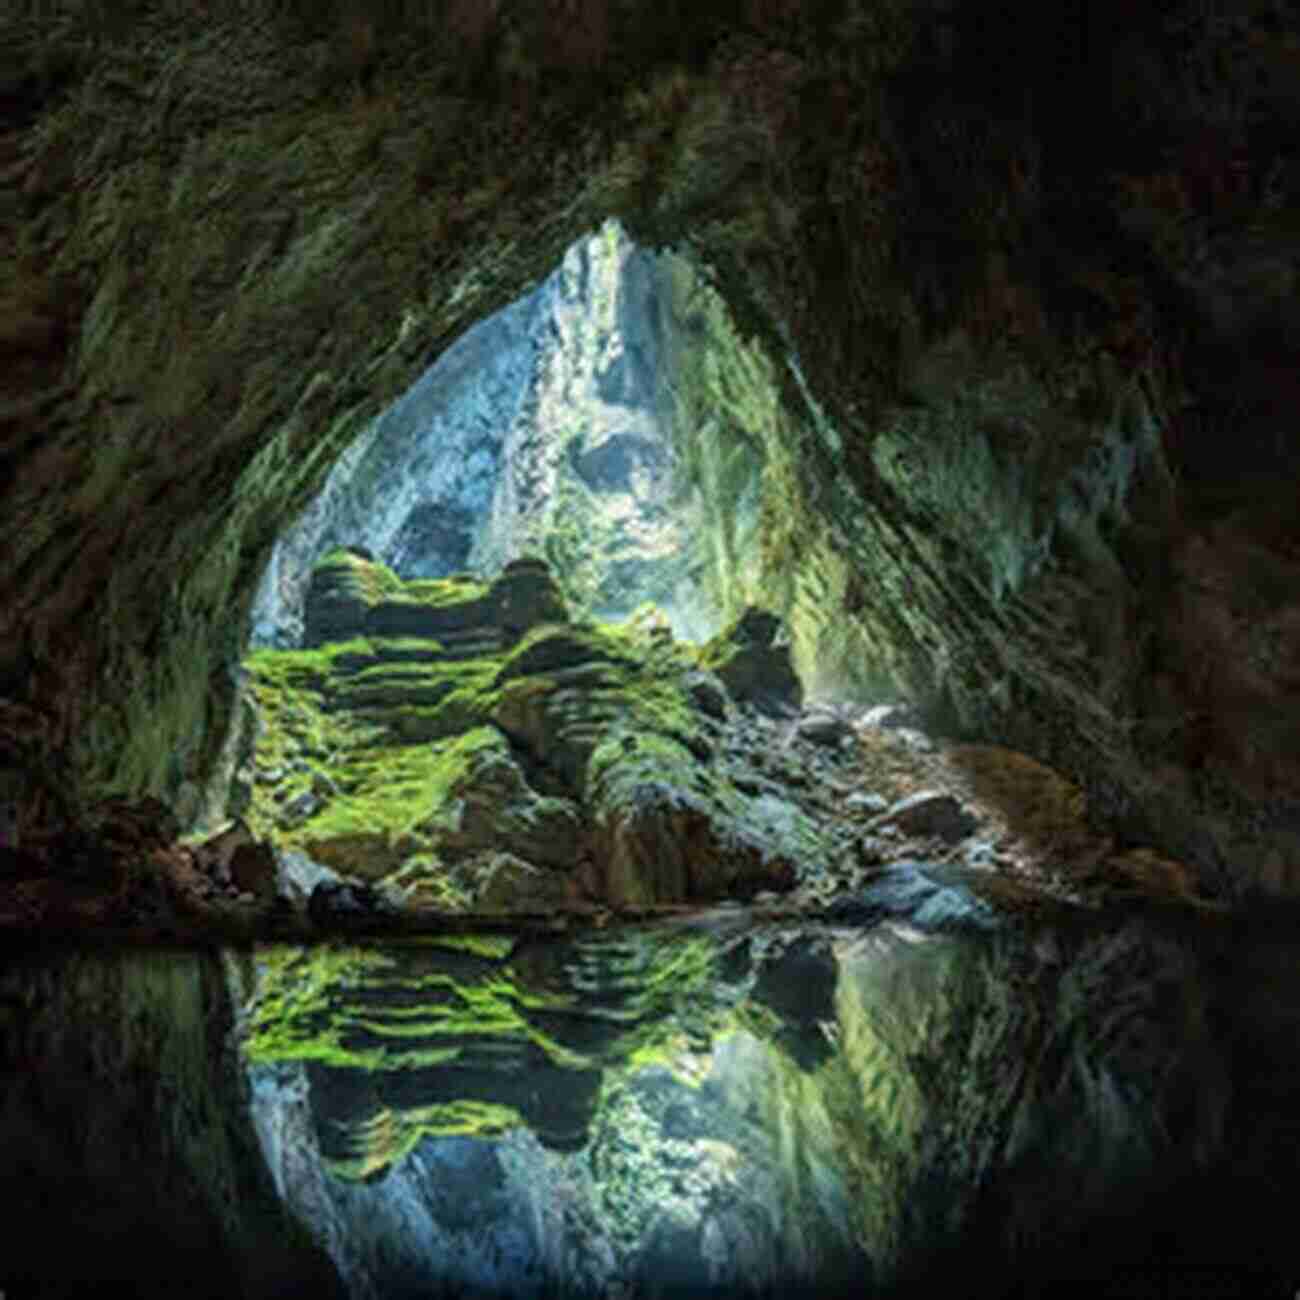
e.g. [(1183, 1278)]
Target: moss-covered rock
[(350, 594), (667, 825), (752, 658), (579, 758)]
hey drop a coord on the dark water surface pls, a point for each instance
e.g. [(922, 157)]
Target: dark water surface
[(1102, 1105)]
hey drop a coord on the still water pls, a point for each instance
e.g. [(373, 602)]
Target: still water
[(1097, 1103)]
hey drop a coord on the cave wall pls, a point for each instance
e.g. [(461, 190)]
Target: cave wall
[(1026, 278), (131, 1159)]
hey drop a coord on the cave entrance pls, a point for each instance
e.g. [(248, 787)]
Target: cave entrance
[(596, 423), (573, 493)]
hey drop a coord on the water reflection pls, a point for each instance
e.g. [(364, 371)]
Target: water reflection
[(726, 1108), (910, 1100)]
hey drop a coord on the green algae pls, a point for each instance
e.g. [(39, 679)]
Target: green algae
[(389, 1136)]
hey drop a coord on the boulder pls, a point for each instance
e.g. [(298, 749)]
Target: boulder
[(253, 869), (214, 855), (350, 596), (524, 596), (667, 828), (930, 812), (891, 717), (708, 695), (823, 728), (752, 659), (339, 595), (503, 882)]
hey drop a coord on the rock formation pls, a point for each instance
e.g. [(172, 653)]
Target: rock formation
[(472, 748)]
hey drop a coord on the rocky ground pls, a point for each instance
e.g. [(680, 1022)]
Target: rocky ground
[(455, 747)]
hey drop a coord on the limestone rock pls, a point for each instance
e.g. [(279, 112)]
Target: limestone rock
[(495, 808), (667, 829), (525, 595), (890, 717), (826, 729), (707, 693), (504, 882), (864, 802), (930, 812), (560, 647), (338, 598), (753, 662), (214, 855)]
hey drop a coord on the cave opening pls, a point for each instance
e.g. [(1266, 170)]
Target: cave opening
[(566, 426), (533, 598)]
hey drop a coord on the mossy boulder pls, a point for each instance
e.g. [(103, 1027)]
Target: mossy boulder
[(351, 595), (668, 827), (343, 588), (525, 595), (557, 647), (752, 659), (503, 882)]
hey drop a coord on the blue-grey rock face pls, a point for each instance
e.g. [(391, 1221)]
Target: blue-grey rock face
[(538, 431)]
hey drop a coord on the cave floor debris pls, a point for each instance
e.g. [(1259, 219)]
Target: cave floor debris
[(1030, 851)]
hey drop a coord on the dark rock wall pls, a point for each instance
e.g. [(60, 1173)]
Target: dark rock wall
[(1026, 279), (131, 1161)]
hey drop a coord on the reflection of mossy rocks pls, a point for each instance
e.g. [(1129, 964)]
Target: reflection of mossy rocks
[(752, 658)]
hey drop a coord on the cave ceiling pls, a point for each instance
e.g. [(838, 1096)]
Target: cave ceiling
[(1027, 278)]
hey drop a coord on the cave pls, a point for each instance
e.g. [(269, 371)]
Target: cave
[(821, 812)]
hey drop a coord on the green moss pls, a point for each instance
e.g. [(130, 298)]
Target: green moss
[(389, 1136), (372, 579), (566, 645), (445, 591), (399, 798)]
